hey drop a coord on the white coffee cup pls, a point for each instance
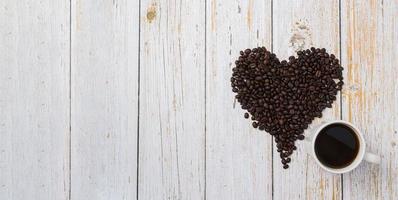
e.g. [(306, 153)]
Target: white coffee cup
[(362, 154)]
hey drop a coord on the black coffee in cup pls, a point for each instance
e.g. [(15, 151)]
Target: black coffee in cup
[(336, 145)]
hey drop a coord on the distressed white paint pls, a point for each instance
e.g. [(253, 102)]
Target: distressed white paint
[(172, 100), (300, 25), (104, 99), (239, 158), (370, 98), (193, 144), (34, 99)]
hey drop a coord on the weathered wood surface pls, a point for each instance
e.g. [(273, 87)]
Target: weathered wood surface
[(104, 107), (369, 32), (132, 100), (34, 99), (238, 157), (172, 100)]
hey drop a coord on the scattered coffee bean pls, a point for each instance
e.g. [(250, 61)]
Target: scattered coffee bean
[(285, 166), (283, 97)]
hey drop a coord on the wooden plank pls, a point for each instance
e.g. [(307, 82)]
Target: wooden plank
[(239, 157), (104, 99), (172, 100), (370, 97), (34, 99), (299, 25)]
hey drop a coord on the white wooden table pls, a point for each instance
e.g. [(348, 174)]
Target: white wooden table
[(129, 99)]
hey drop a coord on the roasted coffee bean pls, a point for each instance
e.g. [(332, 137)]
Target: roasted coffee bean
[(283, 97), (285, 166), (300, 137)]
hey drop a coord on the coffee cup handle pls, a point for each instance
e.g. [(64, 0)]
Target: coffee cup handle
[(372, 158)]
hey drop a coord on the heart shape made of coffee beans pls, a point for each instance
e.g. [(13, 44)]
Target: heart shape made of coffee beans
[(284, 97)]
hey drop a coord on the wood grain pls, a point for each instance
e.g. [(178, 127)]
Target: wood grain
[(238, 157), (96, 92), (299, 25), (370, 98), (104, 99), (34, 99), (172, 100)]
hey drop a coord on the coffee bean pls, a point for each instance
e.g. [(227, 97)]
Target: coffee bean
[(283, 97), (285, 166), (300, 137)]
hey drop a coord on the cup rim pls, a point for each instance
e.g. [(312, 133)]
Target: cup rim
[(360, 155)]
